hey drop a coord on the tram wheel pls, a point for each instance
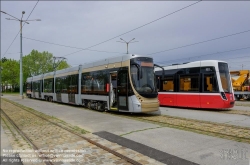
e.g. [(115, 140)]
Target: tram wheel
[(99, 106)]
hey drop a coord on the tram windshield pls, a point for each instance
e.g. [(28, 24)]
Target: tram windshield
[(142, 75), (225, 77)]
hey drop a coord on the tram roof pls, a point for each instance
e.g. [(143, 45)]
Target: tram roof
[(84, 66), (38, 77), (191, 64), (71, 69), (111, 60), (29, 79)]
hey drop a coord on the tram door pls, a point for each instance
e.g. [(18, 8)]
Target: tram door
[(71, 94), (72, 88), (40, 89), (33, 89), (122, 89), (59, 89), (113, 91), (59, 96)]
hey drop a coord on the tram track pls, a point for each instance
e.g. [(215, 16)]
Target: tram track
[(226, 131), (28, 123), (24, 135)]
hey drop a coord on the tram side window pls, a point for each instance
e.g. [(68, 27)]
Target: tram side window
[(100, 82), (210, 83), (64, 84), (48, 85), (189, 83), (86, 81), (73, 83), (94, 82), (36, 86), (167, 84), (58, 85)]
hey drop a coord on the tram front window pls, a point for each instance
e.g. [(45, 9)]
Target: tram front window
[(142, 74), (225, 77)]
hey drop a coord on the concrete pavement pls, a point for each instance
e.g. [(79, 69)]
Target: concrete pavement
[(191, 146), (212, 116), (5, 148), (242, 108)]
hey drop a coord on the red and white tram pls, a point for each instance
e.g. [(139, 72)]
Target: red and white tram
[(199, 84)]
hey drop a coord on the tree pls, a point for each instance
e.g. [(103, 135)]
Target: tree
[(61, 65), (37, 63), (34, 64), (10, 73), (4, 59)]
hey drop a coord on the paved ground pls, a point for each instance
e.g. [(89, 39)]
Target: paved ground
[(5, 147), (194, 147), (5, 144), (243, 107), (245, 103), (213, 116), (197, 148), (54, 141), (86, 119), (144, 149)]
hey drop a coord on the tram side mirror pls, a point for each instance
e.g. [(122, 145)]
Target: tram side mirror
[(163, 73)]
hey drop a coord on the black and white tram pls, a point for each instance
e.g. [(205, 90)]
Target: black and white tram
[(125, 83)]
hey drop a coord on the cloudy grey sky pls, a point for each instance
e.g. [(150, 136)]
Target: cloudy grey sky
[(83, 24)]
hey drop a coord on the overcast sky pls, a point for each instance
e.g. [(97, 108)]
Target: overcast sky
[(83, 24)]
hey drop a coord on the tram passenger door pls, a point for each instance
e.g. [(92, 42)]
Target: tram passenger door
[(72, 89), (210, 97), (58, 89), (33, 89), (113, 91), (59, 96), (40, 89), (71, 94), (122, 90)]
